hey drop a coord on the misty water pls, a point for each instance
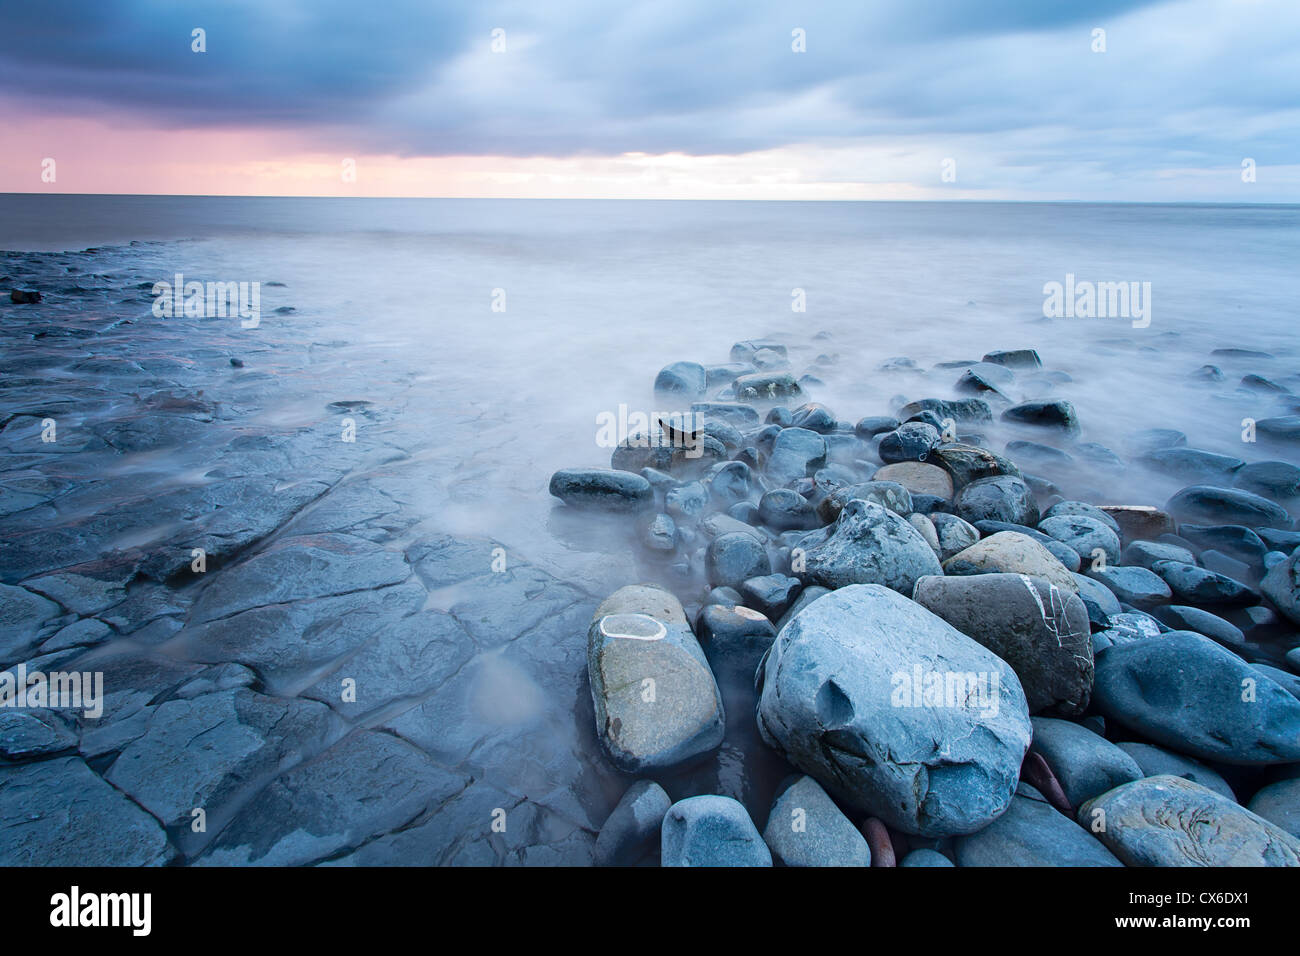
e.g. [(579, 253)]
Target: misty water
[(390, 303)]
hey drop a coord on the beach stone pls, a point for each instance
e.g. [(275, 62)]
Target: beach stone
[(1032, 833), (926, 528), (813, 416), (1014, 553), (1014, 358), (1002, 498), (834, 700), (711, 831), (1143, 554), (796, 453), (887, 494), (734, 558), (784, 510), (1205, 504), (1155, 761), (955, 534), (58, 812), (1099, 600), (1180, 617), (766, 386), (687, 500), (806, 597), (1083, 535), (1085, 764), (716, 525), (687, 379), (1139, 521), (1282, 586), (967, 463), (771, 594), (602, 488), (1082, 509), (925, 858), (806, 828), (1232, 539), (1293, 659), (1184, 691), (1284, 679), (1169, 821), (741, 416), (869, 544), (912, 441), (1045, 414), (1040, 630), (638, 633), (919, 478), (958, 409), (632, 830), (1276, 540), (1137, 586), (1193, 585), (1193, 464), (1279, 804), (875, 425), (1278, 480), (660, 534)]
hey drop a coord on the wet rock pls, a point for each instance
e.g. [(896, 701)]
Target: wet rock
[(806, 828), (967, 463), (687, 500), (771, 594), (832, 700), (1278, 480), (711, 831), (601, 488), (887, 494), (682, 378), (733, 558), (1284, 541), (1085, 764), (1003, 498), (918, 478), (1039, 630), (730, 482), (738, 415), (784, 510), (814, 417), (1235, 540), (875, 425), (1169, 821), (1012, 553), (1192, 464), (1143, 554), (959, 410), (1155, 761), (870, 545), (1282, 586), (1186, 692), (1014, 358), (796, 453), (632, 830), (29, 733), (1137, 586), (806, 597), (22, 615), (1081, 509), (660, 534), (1279, 804), (955, 534), (766, 386), (1204, 504), (925, 858), (640, 633), (1099, 600), (1139, 521), (1084, 535), (1045, 414), (1193, 585), (1032, 833), (1183, 618), (60, 813)]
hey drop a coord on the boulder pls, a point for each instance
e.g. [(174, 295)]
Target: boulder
[(602, 488), (632, 830), (806, 828), (870, 545), (1169, 821), (1136, 586), (1032, 833), (1046, 414), (861, 691), (1156, 760), (1037, 628), (687, 379), (1206, 504), (955, 534), (640, 634), (967, 463), (919, 478), (1001, 498), (1084, 535), (1014, 553), (1085, 764), (912, 441), (1184, 691), (733, 558), (711, 831)]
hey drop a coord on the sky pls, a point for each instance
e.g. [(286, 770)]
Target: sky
[(1093, 100)]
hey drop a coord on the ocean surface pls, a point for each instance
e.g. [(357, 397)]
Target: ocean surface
[(471, 349)]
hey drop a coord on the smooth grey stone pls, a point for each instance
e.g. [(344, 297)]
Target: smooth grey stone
[(1184, 691), (1014, 358), (955, 534), (1279, 804), (1282, 586), (632, 830), (766, 386), (1235, 540), (958, 409), (796, 453), (735, 557), (1099, 600), (1204, 504), (872, 426), (682, 378), (1085, 764), (836, 698), (1143, 554), (887, 494), (711, 831), (912, 441), (1201, 586), (1067, 508), (1002, 498), (1047, 414), (1284, 679), (1013, 553), (784, 510), (806, 597), (1084, 535), (1157, 760), (1137, 586), (1032, 833), (771, 594), (602, 488), (1183, 618), (1279, 480), (870, 545), (806, 828), (1193, 464), (967, 462), (924, 857)]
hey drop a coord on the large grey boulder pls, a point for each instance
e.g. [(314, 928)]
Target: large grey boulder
[(711, 831), (656, 702), (1184, 691), (1013, 553), (897, 713), (870, 545), (806, 828), (1032, 833), (1169, 821), (1039, 629)]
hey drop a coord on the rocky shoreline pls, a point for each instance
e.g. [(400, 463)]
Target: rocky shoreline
[(949, 660)]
